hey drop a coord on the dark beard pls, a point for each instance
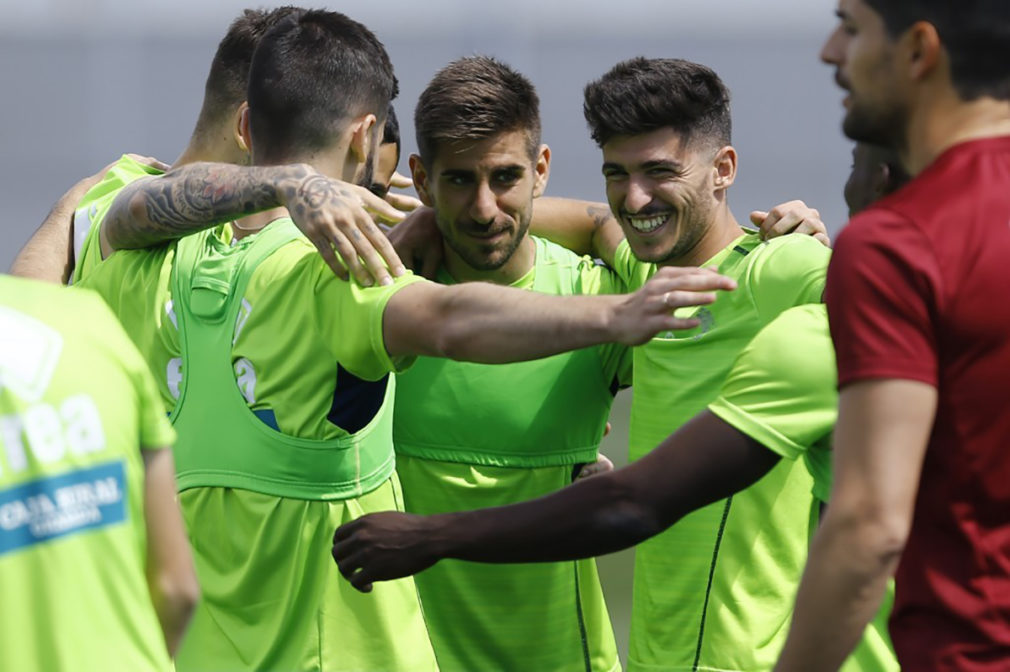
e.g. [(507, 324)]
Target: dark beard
[(885, 129), (366, 177)]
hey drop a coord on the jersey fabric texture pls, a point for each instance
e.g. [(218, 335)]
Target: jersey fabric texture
[(911, 297), (77, 405), (715, 591), (93, 208), (782, 392), (303, 351), (469, 436)]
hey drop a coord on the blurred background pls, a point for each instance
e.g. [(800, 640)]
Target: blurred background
[(86, 80)]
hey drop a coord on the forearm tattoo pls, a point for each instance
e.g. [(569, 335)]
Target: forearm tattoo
[(195, 197)]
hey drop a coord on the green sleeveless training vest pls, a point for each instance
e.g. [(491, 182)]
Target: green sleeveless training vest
[(546, 412), (221, 442)]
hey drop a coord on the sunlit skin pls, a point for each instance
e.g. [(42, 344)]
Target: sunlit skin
[(670, 197), (865, 67), (482, 193)]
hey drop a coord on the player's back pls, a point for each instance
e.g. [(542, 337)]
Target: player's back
[(72, 535)]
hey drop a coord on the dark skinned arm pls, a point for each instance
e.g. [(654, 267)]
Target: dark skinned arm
[(703, 462)]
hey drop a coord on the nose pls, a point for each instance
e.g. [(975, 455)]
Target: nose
[(831, 51), (484, 206), (638, 196)]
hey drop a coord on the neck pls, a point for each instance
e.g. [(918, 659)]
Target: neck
[(518, 265), (723, 231), (255, 223), (944, 121)]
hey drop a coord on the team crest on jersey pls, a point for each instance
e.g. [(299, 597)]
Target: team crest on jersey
[(704, 315)]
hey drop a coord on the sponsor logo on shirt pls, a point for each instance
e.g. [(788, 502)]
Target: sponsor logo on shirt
[(58, 506), (51, 434)]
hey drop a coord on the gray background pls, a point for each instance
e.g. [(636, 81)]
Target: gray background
[(85, 80)]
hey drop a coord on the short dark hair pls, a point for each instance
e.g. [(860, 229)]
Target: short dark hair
[(311, 73), (475, 98), (643, 95), (229, 71), (391, 133), (975, 33)]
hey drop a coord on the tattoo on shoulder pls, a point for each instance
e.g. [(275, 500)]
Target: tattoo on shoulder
[(600, 215)]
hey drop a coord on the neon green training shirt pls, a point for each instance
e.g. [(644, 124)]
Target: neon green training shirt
[(783, 393), (715, 591), (471, 435), (307, 355), (77, 406), (94, 206)]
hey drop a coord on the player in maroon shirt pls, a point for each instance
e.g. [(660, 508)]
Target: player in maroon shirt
[(917, 299)]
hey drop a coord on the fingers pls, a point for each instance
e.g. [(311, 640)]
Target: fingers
[(349, 255), (375, 251), (326, 252), (403, 202), (823, 239), (601, 466), (671, 279), (791, 217), (378, 207), (400, 181), (150, 161)]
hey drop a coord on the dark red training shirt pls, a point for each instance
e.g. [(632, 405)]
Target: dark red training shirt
[(919, 289)]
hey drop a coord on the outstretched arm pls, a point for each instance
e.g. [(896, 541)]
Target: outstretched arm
[(705, 461), (334, 215), (482, 322), (880, 444)]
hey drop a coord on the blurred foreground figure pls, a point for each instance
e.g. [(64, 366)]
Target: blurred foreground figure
[(95, 569)]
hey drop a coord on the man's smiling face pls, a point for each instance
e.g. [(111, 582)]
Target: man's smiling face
[(662, 191)]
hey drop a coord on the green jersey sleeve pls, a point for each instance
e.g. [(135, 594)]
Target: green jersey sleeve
[(791, 273), (93, 208), (781, 390), (349, 319)]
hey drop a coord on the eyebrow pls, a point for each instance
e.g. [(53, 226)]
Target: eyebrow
[(463, 172), (648, 165), (668, 164)]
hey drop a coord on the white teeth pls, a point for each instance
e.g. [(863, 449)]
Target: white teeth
[(648, 224)]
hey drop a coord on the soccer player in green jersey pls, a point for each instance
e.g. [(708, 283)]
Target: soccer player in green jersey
[(778, 401), (471, 435), (95, 570), (664, 129), (277, 372), (73, 240)]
